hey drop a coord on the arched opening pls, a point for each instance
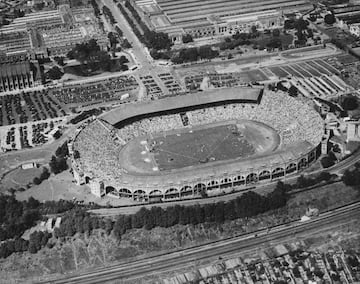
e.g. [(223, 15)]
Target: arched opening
[(278, 172), (124, 192), (155, 196), (291, 168), (186, 191), (226, 182), (252, 178), (172, 193), (312, 157), (213, 185), (139, 195), (111, 189), (302, 164), (199, 189), (264, 175), (238, 180)]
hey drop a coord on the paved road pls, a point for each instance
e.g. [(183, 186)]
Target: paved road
[(137, 47), (166, 262)]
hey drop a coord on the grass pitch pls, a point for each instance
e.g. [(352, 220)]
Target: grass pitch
[(200, 146)]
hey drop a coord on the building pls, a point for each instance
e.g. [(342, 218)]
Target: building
[(18, 76), (353, 131), (354, 29), (53, 32), (213, 17)]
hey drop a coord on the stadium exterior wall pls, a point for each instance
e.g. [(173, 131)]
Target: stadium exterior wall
[(209, 185)]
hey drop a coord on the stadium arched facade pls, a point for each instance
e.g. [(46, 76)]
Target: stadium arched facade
[(195, 181)]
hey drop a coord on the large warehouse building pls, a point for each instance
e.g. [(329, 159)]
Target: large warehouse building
[(216, 17)]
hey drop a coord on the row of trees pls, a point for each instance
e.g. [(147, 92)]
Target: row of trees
[(43, 176), (18, 216), (108, 14), (37, 240), (247, 205), (152, 39), (352, 177), (58, 163), (194, 53)]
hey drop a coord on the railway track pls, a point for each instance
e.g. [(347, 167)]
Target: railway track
[(164, 262)]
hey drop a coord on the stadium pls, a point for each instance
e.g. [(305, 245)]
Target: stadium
[(194, 145)]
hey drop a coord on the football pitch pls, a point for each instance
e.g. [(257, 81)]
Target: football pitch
[(201, 146)]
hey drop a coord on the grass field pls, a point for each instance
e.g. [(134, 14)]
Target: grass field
[(200, 146)]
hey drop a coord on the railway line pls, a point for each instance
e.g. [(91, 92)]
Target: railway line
[(164, 262)]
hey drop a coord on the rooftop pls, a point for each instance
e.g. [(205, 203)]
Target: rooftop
[(218, 95)]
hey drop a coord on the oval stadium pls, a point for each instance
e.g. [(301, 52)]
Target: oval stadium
[(202, 144)]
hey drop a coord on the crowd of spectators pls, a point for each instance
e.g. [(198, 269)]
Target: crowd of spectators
[(95, 139), (288, 116), (106, 90), (291, 118)]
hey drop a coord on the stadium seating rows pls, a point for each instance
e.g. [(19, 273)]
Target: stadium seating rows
[(290, 117)]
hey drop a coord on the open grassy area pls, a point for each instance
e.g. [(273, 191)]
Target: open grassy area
[(201, 146)]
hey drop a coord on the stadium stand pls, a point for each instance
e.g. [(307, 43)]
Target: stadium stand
[(99, 145)]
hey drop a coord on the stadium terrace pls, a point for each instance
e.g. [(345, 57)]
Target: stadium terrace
[(144, 152)]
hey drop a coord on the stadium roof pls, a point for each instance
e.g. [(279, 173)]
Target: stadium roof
[(123, 112)]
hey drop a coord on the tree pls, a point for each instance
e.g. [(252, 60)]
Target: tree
[(57, 165), (301, 24), (91, 56), (288, 24), (55, 73), (59, 60), (187, 38), (326, 176), (293, 91), (45, 174), (119, 31), (351, 177), (254, 30), (327, 161), (36, 181), (276, 32), (126, 44), (349, 103), (112, 38), (205, 52), (158, 40), (329, 19)]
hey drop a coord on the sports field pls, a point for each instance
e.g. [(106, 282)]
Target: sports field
[(198, 145), (201, 146)]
